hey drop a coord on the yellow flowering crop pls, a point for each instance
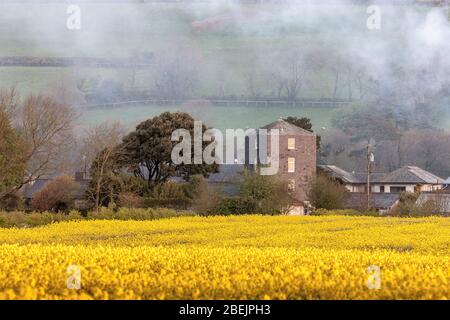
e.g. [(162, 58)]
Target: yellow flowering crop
[(246, 257)]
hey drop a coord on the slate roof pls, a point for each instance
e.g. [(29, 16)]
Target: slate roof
[(287, 128), (442, 199), (338, 173), (413, 175), (347, 177), (355, 200), (228, 173), (404, 175), (29, 190), (226, 180)]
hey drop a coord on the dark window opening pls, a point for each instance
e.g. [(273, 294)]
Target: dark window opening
[(398, 189)]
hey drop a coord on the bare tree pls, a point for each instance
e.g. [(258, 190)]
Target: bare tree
[(176, 71), (99, 146), (9, 102), (45, 126), (288, 72), (99, 137), (65, 91), (252, 81)]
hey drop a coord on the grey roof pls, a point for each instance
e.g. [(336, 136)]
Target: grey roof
[(404, 175), (411, 174), (338, 173), (375, 177), (441, 199), (228, 173), (287, 128), (347, 177), (29, 190), (355, 200)]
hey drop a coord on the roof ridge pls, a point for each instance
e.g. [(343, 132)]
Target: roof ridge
[(288, 124)]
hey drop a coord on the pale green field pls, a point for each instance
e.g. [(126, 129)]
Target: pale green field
[(218, 117)]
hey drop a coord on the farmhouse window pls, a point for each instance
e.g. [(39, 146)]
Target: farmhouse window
[(398, 189), (291, 143), (291, 164)]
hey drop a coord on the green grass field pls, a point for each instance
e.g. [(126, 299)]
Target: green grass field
[(218, 117)]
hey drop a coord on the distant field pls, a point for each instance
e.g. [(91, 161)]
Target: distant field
[(218, 117), (235, 257), (121, 30)]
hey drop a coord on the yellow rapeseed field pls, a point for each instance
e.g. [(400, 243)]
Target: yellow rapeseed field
[(246, 257)]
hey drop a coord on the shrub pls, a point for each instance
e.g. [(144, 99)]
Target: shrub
[(168, 190), (265, 194), (11, 202), (326, 193), (130, 200), (205, 198), (343, 212), (235, 205), (408, 206), (176, 203), (20, 219), (136, 214), (56, 195)]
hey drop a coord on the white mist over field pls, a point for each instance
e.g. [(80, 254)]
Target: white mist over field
[(229, 37)]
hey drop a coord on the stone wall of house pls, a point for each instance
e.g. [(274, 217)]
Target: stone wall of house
[(305, 162)]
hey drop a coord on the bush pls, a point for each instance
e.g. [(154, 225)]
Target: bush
[(408, 206), (326, 193), (235, 205), (343, 212), (204, 197), (168, 190), (175, 203), (12, 202), (136, 214), (20, 219), (56, 195), (130, 200), (264, 194)]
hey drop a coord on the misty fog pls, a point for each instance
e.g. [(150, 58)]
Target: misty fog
[(230, 50)]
